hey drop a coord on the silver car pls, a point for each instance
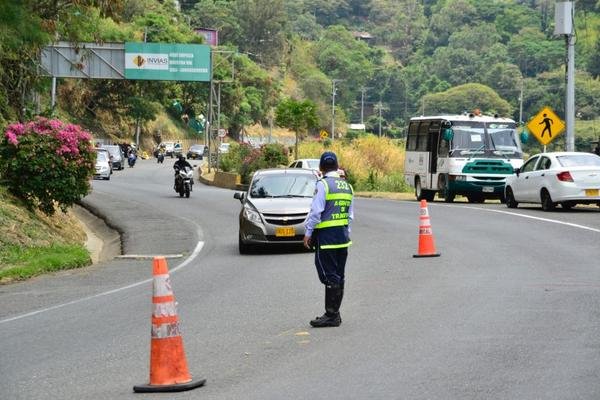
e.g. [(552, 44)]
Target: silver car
[(275, 207), (102, 169)]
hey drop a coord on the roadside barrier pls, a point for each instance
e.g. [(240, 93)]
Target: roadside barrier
[(168, 365), (426, 243)]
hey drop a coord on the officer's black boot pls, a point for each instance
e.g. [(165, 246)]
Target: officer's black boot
[(333, 299)]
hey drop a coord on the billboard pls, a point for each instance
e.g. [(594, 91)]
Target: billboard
[(167, 62)]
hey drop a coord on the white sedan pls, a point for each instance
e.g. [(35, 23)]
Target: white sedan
[(565, 178)]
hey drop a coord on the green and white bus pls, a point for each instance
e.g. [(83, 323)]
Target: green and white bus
[(468, 155)]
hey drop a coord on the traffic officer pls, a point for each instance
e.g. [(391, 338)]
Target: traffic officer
[(328, 232)]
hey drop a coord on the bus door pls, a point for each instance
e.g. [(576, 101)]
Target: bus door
[(434, 139)]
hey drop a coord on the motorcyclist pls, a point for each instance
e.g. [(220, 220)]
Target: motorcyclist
[(180, 164)]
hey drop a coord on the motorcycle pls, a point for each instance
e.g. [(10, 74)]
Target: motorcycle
[(160, 157), (184, 181), (131, 159)]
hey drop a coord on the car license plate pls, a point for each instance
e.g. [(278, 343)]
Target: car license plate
[(285, 231), (487, 189), (591, 192)]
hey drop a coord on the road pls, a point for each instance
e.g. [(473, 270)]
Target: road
[(509, 311)]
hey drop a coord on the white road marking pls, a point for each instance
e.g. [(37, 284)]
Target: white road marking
[(553, 221), (187, 261)]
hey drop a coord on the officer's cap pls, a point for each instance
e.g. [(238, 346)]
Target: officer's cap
[(328, 161)]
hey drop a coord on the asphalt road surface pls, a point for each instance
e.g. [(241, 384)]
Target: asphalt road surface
[(511, 309)]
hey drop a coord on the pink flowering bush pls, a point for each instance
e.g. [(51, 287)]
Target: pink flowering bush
[(46, 162), (246, 159)]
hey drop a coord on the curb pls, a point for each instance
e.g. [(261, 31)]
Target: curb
[(208, 182)]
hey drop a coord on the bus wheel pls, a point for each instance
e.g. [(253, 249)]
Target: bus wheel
[(445, 192), (418, 189)]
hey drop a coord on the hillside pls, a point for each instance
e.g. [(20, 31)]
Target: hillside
[(32, 243), (386, 57)]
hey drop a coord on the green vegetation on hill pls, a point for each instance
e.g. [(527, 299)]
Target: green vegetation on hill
[(32, 243), (394, 58)]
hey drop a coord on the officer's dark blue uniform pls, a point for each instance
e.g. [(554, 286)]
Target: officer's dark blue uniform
[(328, 231)]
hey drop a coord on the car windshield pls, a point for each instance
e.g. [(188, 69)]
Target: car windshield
[(312, 164), (283, 185), (101, 156), (489, 139), (197, 147), (579, 160), (113, 150)]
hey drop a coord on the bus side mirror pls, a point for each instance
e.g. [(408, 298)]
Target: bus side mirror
[(448, 134), (524, 136)]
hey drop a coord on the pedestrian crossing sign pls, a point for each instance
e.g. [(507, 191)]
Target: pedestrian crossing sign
[(324, 134), (546, 126)]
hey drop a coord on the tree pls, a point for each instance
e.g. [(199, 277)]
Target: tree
[(341, 56), (533, 53), (262, 23), (299, 116), (466, 98), (594, 60)]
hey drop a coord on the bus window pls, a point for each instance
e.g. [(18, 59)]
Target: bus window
[(411, 142), (434, 136), (423, 136)]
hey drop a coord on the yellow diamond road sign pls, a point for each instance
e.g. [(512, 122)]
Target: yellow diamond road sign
[(324, 134), (546, 126)]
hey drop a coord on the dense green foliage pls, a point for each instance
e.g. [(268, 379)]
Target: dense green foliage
[(47, 162), (407, 56), (245, 159)]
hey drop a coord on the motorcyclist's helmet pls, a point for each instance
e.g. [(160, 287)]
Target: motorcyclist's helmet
[(181, 157)]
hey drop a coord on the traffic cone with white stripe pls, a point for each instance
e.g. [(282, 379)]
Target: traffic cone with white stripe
[(426, 244), (168, 365)]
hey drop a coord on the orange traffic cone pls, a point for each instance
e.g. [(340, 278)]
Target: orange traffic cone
[(426, 245), (168, 366)]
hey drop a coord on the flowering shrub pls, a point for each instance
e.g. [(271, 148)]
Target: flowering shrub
[(47, 162), (245, 159)]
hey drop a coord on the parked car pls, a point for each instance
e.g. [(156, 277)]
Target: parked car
[(308, 163), (103, 170), (224, 148), (313, 163), (565, 178), (177, 149), (116, 156), (168, 146), (101, 150), (275, 207), (197, 152)]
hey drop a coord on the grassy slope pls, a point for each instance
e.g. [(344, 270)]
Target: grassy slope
[(32, 243)]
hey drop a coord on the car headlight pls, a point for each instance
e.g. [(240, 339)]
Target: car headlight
[(460, 178), (252, 215)]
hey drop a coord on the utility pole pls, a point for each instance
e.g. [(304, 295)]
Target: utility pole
[(521, 103), (362, 105), (380, 107), (333, 93), (270, 125), (564, 20)]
